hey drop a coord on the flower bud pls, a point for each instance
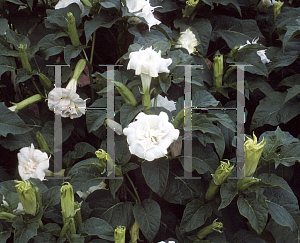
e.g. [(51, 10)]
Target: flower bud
[(27, 196), (42, 143), (80, 66), (102, 156), (125, 93), (39, 203), (45, 81), (215, 226), (134, 233), (24, 58), (86, 3), (72, 30), (221, 174), (218, 70), (189, 7), (119, 234), (6, 216), (234, 51), (253, 151), (24, 103), (276, 9), (243, 184), (78, 217)]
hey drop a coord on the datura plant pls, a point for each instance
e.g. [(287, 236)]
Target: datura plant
[(155, 121)]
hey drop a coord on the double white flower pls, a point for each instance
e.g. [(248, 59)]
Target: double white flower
[(149, 136), (69, 102), (261, 53), (144, 10), (66, 3), (187, 40), (32, 163)]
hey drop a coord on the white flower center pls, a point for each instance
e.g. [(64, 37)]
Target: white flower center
[(30, 166)]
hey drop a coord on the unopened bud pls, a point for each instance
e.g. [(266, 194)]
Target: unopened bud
[(24, 58)]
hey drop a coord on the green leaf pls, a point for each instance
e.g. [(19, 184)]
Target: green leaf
[(228, 192), (86, 178), (203, 99), (292, 29), (148, 215), (156, 174), (195, 215), (51, 197), (292, 92), (290, 81), (4, 234), (7, 64), (119, 214), (164, 81), (122, 152), (51, 46), (128, 112), (289, 154), (10, 122), (60, 18), (247, 237), (103, 19), (71, 52), (24, 231), (99, 227), (101, 206), (80, 150), (3, 25), (166, 5), (114, 185), (275, 181), (13, 142), (43, 237), (95, 119), (222, 118), (273, 110), (22, 75), (16, 39), (226, 2), (8, 190), (255, 210)]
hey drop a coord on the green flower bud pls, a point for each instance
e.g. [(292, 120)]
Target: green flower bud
[(221, 174), (68, 228), (78, 217), (102, 156), (218, 70), (72, 30), (45, 81), (125, 93), (215, 226), (243, 184), (253, 151), (276, 9), (234, 51), (42, 143), (134, 233), (6, 216), (39, 203), (189, 7), (119, 234), (24, 58), (80, 66), (86, 3), (29, 101), (27, 196)]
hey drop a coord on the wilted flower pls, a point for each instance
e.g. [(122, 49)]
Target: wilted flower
[(263, 57), (142, 8), (150, 135), (32, 163), (164, 102), (254, 41), (66, 3), (265, 4), (253, 151), (84, 195), (187, 40), (27, 196), (119, 234), (134, 233), (215, 226)]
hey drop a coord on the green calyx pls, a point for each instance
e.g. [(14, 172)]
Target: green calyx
[(125, 93), (73, 34), (215, 226), (24, 58), (119, 234), (218, 70)]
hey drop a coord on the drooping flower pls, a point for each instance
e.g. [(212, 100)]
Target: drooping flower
[(187, 40), (148, 63), (150, 136), (84, 195), (164, 102), (263, 56), (66, 3), (253, 151), (254, 41), (33, 163), (142, 8)]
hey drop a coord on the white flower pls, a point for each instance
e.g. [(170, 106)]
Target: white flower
[(68, 100), (166, 242), (164, 102), (263, 56), (265, 4), (144, 10), (84, 195), (254, 41), (150, 135), (18, 210), (32, 163), (66, 3), (148, 63), (187, 40)]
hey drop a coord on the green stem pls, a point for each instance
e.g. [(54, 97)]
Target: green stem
[(135, 191), (134, 197), (40, 223), (93, 47), (43, 96), (86, 58)]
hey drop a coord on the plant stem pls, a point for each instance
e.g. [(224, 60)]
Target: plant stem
[(134, 197), (93, 47), (137, 195), (37, 89)]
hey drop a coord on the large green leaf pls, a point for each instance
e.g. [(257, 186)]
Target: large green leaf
[(8, 190), (7, 64), (99, 227), (228, 192), (95, 119), (156, 174), (51, 46), (255, 210), (203, 99), (147, 214), (194, 215), (275, 181), (13, 142), (103, 19), (293, 29), (80, 150), (24, 231), (226, 2), (16, 39), (71, 52), (3, 25), (51, 197), (247, 237), (274, 110), (128, 112), (289, 154)]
